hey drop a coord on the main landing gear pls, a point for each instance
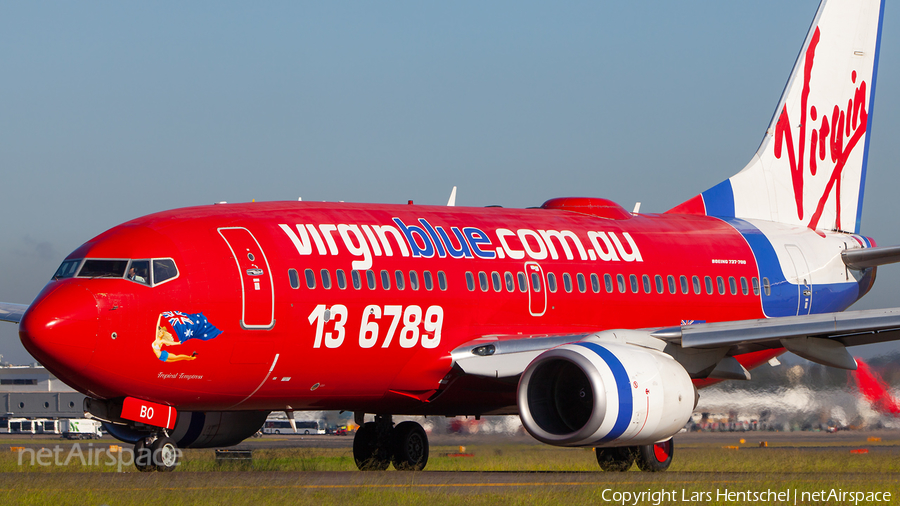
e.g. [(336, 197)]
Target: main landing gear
[(378, 444), (650, 458), (156, 453)]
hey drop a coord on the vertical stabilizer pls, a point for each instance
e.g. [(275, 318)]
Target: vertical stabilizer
[(810, 169)]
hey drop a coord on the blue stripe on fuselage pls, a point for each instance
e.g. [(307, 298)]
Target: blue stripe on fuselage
[(719, 200), (623, 387), (785, 297)]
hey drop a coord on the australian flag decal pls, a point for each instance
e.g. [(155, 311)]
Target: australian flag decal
[(191, 326)]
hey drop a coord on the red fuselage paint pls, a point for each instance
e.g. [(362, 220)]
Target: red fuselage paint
[(381, 349)]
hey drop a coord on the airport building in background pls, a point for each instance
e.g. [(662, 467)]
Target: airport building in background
[(30, 391)]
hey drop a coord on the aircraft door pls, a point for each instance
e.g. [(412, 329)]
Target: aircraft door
[(257, 288), (537, 292), (803, 279)]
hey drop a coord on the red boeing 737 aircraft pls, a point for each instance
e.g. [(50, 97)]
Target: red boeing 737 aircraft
[(595, 325)]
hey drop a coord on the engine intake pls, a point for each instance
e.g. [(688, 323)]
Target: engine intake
[(596, 393)]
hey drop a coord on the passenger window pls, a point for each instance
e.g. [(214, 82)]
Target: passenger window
[(495, 281), (659, 284), (684, 285), (483, 281), (310, 278), (399, 281), (370, 279), (294, 277), (442, 280), (721, 284), (385, 280), (709, 286), (646, 279), (414, 280), (767, 289), (551, 282), (607, 280), (139, 272), (326, 279), (535, 282), (595, 283), (732, 284), (470, 281), (755, 286), (582, 285), (341, 278), (672, 287), (510, 282), (567, 282), (354, 277), (634, 283), (744, 288), (620, 280), (697, 288), (427, 281), (523, 285)]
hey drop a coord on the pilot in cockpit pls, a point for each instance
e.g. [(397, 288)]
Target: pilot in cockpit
[(139, 273)]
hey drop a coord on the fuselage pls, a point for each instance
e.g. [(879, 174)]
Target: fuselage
[(357, 307)]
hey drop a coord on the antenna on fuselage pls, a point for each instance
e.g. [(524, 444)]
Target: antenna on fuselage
[(452, 201)]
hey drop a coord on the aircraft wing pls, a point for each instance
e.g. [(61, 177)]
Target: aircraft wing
[(821, 338), (10, 312)]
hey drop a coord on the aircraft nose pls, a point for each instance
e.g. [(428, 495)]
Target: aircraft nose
[(59, 329)]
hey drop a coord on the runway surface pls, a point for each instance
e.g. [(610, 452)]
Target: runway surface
[(800, 439), (287, 468)]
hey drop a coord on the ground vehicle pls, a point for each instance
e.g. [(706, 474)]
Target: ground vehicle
[(21, 426), (81, 428), (282, 426)]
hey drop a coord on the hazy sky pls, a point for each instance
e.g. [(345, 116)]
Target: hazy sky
[(109, 111)]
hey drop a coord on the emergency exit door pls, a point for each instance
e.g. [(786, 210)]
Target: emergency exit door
[(257, 288), (537, 293)]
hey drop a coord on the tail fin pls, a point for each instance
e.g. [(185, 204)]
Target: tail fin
[(810, 169)]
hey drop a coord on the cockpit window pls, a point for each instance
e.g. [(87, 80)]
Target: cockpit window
[(163, 270), (93, 268), (139, 271), (146, 271), (67, 269)]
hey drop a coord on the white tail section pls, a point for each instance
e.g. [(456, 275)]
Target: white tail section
[(810, 169)]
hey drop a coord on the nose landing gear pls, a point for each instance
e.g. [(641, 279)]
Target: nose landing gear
[(378, 444), (156, 453)]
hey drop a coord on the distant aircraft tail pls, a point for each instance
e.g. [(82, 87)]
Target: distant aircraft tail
[(810, 169)]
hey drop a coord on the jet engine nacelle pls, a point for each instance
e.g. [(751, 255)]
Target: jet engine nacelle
[(596, 393)]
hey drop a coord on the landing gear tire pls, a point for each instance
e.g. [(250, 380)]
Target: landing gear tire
[(368, 454), (656, 457), (143, 457), (165, 454), (615, 459), (410, 447)]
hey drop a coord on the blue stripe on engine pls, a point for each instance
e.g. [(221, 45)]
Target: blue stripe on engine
[(198, 420), (623, 387)]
